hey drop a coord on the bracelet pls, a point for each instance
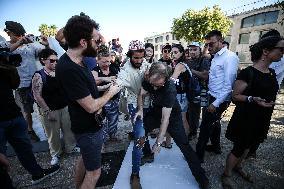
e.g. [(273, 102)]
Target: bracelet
[(250, 99)]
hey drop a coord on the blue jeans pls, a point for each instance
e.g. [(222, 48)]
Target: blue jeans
[(139, 132), (15, 132), (112, 113)]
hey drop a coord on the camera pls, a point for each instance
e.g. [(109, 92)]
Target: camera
[(33, 38), (8, 58)]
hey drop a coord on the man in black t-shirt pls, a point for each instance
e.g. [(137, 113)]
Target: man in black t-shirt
[(166, 54), (85, 105), (200, 69), (166, 115)]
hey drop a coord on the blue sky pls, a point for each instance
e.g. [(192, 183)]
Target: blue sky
[(126, 19)]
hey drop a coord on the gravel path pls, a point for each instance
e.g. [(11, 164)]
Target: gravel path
[(267, 169)]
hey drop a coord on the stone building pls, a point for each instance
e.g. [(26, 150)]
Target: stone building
[(249, 26), (159, 40)]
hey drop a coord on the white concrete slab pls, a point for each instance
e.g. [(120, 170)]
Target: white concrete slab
[(169, 170)]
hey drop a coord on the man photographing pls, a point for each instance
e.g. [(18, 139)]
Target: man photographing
[(13, 127)]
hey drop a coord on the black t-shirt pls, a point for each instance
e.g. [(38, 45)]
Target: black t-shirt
[(163, 97), (77, 83), (112, 72), (53, 94), (8, 107)]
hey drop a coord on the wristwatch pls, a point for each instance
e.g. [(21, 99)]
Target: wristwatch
[(250, 99)]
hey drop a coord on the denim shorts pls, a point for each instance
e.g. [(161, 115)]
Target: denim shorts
[(183, 102), (90, 146)]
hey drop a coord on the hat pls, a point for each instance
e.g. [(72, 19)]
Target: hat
[(195, 44), (103, 50), (136, 45), (15, 28)]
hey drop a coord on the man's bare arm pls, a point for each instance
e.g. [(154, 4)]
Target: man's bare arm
[(92, 105), (166, 113), (37, 91)]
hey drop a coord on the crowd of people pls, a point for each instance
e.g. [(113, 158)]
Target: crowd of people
[(81, 93)]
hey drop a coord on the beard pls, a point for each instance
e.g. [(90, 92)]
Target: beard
[(90, 51), (135, 65)]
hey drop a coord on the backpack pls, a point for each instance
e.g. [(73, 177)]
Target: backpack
[(43, 77), (193, 88)]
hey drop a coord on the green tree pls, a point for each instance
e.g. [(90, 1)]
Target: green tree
[(194, 25), (48, 30)]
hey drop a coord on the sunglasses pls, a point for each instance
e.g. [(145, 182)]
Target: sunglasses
[(52, 60), (166, 51), (280, 48), (98, 41), (210, 44)]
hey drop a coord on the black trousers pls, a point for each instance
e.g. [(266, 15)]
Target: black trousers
[(194, 110), (210, 128), (177, 132)]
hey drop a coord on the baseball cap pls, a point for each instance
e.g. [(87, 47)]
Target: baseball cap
[(15, 28), (195, 44)]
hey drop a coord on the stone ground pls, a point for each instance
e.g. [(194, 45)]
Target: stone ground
[(267, 169)]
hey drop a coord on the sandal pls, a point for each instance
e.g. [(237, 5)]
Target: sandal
[(227, 183), (246, 176), (169, 146)]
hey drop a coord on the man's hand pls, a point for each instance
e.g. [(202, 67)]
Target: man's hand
[(114, 89), (211, 108), (51, 116), (4, 162), (262, 102), (44, 41), (156, 148), (138, 115)]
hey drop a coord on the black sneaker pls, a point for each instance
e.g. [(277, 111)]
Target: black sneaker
[(45, 174), (147, 159), (33, 136)]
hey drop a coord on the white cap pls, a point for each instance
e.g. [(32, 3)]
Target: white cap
[(196, 44)]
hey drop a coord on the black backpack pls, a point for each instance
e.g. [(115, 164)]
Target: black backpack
[(193, 87)]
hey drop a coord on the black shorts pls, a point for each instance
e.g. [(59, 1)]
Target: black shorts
[(23, 98), (90, 147)]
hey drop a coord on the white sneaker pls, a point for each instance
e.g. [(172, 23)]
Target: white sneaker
[(54, 160)]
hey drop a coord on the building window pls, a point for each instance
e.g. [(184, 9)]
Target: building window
[(157, 40), (161, 47), (271, 17), (228, 38), (244, 38), (167, 37), (174, 38), (242, 57), (156, 56), (156, 47), (260, 19), (161, 39), (261, 33), (150, 41)]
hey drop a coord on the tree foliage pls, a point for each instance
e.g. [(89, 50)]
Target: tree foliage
[(48, 30), (194, 25)]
